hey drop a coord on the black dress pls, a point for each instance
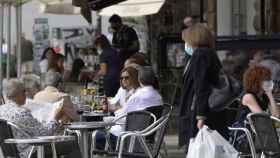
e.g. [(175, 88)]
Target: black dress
[(112, 78), (244, 110), (202, 75)]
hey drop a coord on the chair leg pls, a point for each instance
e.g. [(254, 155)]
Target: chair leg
[(146, 148), (92, 147), (121, 147), (131, 144), (31, 151), (54, 150), (164, 148)]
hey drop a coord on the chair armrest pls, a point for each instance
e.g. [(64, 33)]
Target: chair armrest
[(40, 140), (120, 117), (249, 137), (275, 119)]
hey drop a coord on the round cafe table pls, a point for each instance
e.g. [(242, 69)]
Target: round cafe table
[(85, 128), (40, 141), (94, 116)]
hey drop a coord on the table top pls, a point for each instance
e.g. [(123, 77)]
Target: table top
[(95, 114), (40, 140), (89, 125)]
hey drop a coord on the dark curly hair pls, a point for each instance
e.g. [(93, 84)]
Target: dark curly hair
[(253, 78)]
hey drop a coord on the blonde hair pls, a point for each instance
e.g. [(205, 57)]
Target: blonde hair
[(199, 35)]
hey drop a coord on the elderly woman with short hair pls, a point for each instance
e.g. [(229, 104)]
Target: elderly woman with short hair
[(13, 112), (31, 84)]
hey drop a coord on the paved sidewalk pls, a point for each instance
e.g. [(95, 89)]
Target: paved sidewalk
[(172, 147)]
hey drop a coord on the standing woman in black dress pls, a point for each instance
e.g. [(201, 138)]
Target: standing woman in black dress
[(200, 75), (110, 65)]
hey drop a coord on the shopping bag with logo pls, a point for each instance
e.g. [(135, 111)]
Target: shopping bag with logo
[(209, 143)]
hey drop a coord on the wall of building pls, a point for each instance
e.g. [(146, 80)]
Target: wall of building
[(31, 10)]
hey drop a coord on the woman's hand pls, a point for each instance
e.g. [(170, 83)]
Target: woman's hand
[(269, 93), (200, 124)]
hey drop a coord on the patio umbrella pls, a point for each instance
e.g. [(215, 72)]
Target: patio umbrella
[(134, 8), (67, 7)]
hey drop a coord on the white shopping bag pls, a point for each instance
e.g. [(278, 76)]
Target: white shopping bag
[(210, 144)]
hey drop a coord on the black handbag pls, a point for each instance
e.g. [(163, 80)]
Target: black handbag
[(224, 93)]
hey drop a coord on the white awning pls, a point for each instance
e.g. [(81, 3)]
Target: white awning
[(58, 7), (14, 2), (133, 8)]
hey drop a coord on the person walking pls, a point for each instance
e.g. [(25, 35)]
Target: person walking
[(200, 75)]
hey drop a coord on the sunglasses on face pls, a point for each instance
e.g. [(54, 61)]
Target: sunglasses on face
[(124, 77)]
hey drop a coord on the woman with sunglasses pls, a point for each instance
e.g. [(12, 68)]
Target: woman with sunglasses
[(129, 83)]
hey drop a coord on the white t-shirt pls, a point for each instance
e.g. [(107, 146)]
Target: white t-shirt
[(143, 98), (44, 66), (121, 97)]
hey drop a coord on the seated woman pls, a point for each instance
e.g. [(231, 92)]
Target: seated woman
[(13, 111), (32, 85), (52, 93), (47, 56), (129, 84), (147, 95), (257, 98), (75, 73), (258, 88)]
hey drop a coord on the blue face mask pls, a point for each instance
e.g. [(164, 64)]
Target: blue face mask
[(188, 49)]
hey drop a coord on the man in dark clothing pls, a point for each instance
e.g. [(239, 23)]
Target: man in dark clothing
[(26, 55), (125, 39), (27, 49)]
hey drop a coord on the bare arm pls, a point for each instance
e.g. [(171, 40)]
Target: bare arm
[(250, 101), (103, 70)]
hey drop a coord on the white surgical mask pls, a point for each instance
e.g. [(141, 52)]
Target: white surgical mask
[(267, 85), (99, 51), (188, 49)]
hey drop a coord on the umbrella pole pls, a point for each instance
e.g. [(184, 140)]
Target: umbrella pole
[(1, 43), (18, 32), (9, 50)]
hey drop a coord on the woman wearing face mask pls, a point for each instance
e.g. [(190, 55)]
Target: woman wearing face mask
[(200, 75), (258, 88), (110, 65)]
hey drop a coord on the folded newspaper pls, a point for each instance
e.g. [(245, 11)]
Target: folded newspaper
[(43, 111)]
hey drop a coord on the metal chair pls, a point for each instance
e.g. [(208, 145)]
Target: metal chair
[(136, 120), (10, 149), (250, 141), (262, 125), (151, 149)]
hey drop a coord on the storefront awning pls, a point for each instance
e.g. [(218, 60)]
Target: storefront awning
[(67, 7), (100, 4), (134, 8)]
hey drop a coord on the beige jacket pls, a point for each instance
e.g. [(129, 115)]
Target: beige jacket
[(51, 95)]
